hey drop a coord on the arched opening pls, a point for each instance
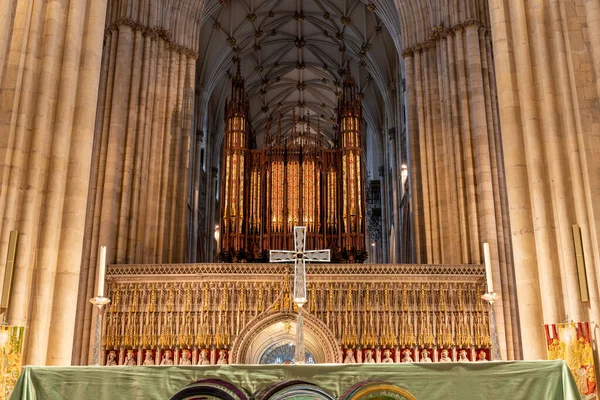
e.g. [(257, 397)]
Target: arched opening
[(293, 59), (272, 341)]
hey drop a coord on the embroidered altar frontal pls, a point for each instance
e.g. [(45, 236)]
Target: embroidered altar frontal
[(527, 380)]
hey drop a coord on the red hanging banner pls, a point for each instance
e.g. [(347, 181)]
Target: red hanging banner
[(571, 342)]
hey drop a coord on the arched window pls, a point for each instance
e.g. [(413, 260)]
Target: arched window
[(282, 353)]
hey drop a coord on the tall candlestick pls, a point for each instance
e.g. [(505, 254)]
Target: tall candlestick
[(101, 271), (488, 267)]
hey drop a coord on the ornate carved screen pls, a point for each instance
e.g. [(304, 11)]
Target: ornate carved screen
[(219, 309)]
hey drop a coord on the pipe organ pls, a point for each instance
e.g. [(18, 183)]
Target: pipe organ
[(292, 181)]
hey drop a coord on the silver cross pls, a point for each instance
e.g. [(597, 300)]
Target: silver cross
[(299, 256)]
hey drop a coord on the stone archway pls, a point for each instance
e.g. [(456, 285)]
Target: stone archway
[(270, 330)]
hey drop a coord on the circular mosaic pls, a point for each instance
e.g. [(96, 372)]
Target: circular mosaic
[(376, 390), (210, 389), (293, 389)]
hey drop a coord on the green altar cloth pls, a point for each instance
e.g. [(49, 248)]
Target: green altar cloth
[(544, 380)]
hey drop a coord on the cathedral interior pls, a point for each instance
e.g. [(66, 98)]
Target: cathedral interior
[(293, 58), (190, 137)]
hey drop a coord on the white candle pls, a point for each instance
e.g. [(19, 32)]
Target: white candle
[(488, 267), (101, 271)]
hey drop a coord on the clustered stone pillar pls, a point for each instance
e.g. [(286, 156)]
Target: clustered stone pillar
[(455, 154), (50, 57), (138, 201), (547, 57)]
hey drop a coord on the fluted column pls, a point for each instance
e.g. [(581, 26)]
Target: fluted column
[(7, 9), (551, 143), (197, 183), (592, 14), (459, 160), (413, 158), (426, 253), (467, 146), (451, 208), (48, 114), (155, 157), (187, 153), (485, 195), (395, 256), (459, 185), (429, 81), (138, 205)]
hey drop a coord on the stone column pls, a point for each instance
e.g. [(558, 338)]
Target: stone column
[(138, 207), (48, 111), (592, 13), (155, 157), (485, 195), (413, 156), (457, 138), (142, 151), (452, 248), (550, 183), (7, 9), (197, 182), (395, 194), (427, 255), (467, 147), (69, 260), (428, 60), (460, 185), (187, 154), (586, 184)]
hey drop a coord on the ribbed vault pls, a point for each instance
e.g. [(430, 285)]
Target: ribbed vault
[(292, 55)]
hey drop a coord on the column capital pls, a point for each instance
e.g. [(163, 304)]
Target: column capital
[(436, 32), (153, 33), (472, 22)]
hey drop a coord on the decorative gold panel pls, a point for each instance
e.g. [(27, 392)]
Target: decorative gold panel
[(208, 306)]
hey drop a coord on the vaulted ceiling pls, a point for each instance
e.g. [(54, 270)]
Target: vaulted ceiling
[(293, 54)]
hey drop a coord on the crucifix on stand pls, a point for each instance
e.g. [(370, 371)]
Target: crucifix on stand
[(299, 256)]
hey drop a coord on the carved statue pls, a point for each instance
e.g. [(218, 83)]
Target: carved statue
[(203, 358), (369, 357), (425, 356), (167, 360), (444, 356), (185, 358), (407, 358), (349, 357), (111, 361), (222, 357), (387, 356), (149, 359), (482, 356), (130, 361), (462, 356)]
